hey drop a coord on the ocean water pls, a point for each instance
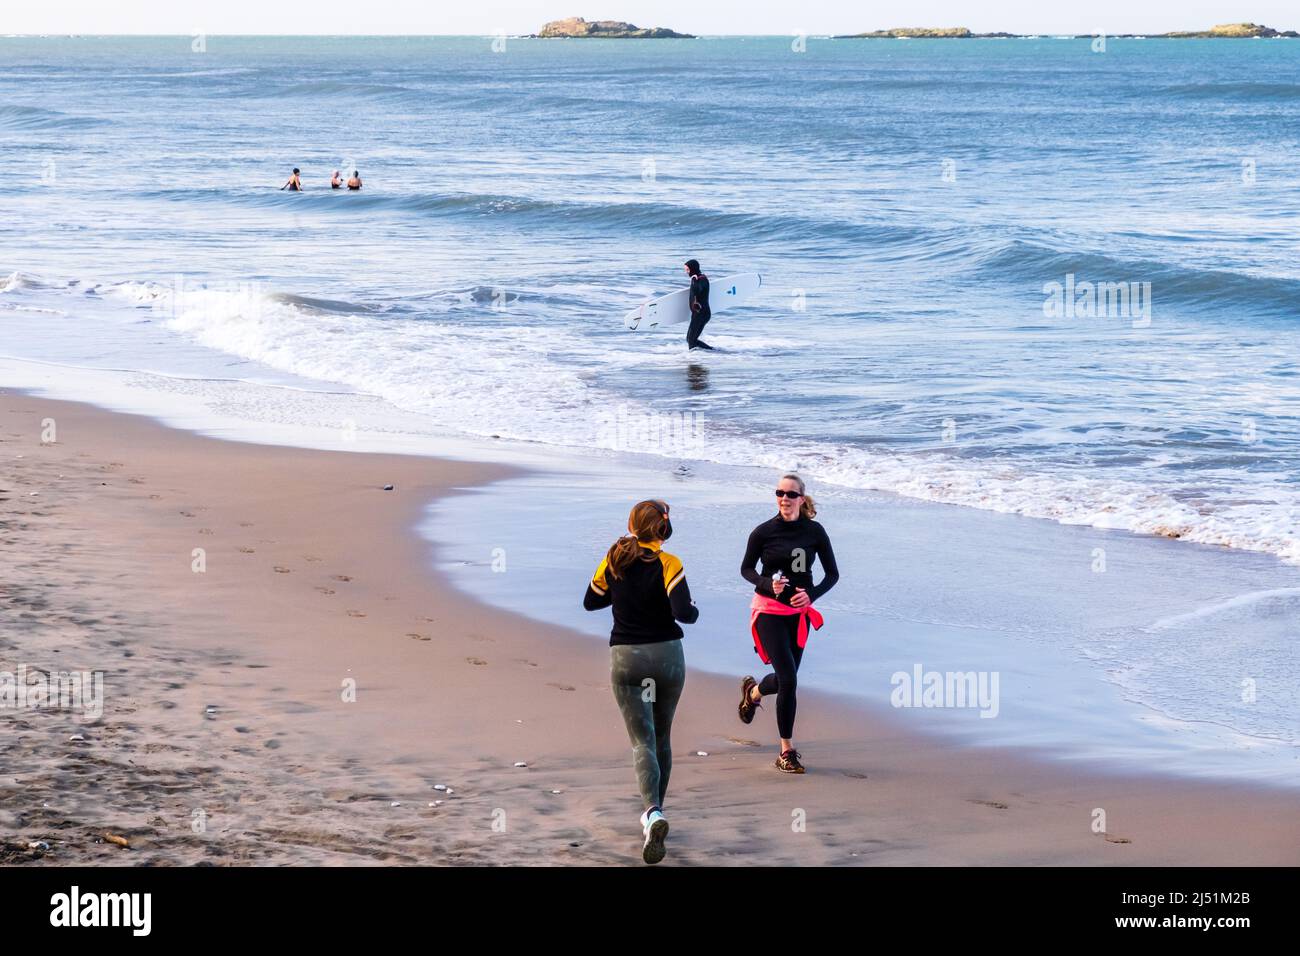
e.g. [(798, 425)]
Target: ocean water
[(917, 209)]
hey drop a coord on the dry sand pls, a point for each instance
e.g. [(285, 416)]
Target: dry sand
[(314, 577)]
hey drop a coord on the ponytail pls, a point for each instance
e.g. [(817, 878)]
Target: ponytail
[(647, 522), (621, 554)]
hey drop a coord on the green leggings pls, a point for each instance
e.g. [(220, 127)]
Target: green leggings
[(647, 681)]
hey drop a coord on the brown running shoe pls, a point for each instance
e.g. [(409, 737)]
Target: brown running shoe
[(747, 705), (788, 762)]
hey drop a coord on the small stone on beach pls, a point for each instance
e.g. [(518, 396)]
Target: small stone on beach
[(388, 487), (520, 763), (701, 753)]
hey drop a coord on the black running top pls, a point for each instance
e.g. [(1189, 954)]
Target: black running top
[(649, 598), (790, 547)]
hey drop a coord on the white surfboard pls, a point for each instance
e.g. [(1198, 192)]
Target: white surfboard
[(675, 309)]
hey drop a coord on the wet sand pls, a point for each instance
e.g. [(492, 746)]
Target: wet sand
[(230, 733)]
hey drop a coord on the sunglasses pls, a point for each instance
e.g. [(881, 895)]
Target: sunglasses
[(788, 494)]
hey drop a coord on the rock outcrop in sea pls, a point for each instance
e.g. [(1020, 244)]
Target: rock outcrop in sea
[(955, 33), (608, 29), (1243, 31), (1234, 30)]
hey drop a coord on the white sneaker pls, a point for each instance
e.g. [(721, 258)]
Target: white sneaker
[(655, 826)]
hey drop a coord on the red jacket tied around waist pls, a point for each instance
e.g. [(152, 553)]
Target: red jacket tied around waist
[(762, 604)]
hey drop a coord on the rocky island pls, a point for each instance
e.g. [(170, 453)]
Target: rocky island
[(912, 33), (1224, 31), (1234, 30), (607, 29)]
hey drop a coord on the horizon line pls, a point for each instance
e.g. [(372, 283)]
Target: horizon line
[(975, 35)]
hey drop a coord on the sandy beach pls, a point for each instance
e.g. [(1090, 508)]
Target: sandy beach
[(296, 691)]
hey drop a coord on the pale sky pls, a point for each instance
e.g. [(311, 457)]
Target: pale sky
[(487, 17)]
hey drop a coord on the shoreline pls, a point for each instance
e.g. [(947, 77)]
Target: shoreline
[(314, 575)]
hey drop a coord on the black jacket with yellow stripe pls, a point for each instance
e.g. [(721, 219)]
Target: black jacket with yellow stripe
[(649, 598)]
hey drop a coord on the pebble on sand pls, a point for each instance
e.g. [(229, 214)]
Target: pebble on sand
[(701, 753), (388, 487), (520, 763), (440, 787)]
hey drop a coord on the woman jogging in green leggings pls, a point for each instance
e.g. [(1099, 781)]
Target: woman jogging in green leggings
[(646, 586)]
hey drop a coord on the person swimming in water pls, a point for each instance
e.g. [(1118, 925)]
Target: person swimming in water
[(294, 185), (699, 303), (336, 181), (355, 182)]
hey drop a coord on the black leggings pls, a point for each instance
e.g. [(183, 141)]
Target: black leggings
[(779, 635)]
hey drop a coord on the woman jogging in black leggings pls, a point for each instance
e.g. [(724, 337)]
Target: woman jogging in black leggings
[(647, 588), (782, 609)]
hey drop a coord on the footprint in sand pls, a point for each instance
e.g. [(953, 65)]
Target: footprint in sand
[(155, 497), (245, 524), (418, 637), (428, 620), (482, 637), (1116, 839), (136, 481), (206, 531), (478, 661), (560, 686), (524, 660), (310, 557), (342, 577), (325, 590), (356, 613), (995, 804), (281, 569), (854, 774), (744, 742), (187, 514), (247, 551)]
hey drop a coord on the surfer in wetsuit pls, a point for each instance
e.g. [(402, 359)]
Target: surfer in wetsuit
[(294, 185), (699, 303)]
